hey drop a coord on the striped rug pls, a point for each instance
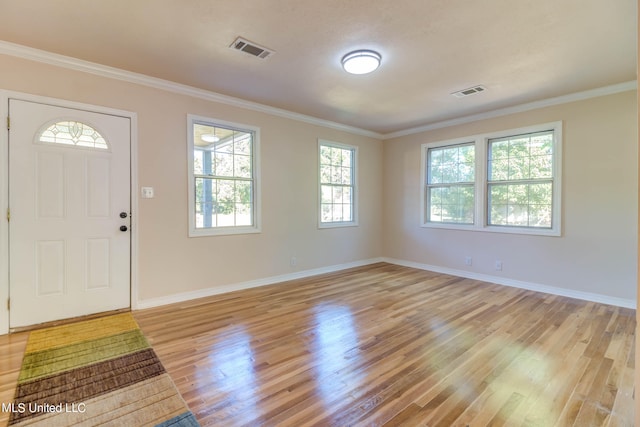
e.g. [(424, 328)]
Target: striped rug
[(96, 372)]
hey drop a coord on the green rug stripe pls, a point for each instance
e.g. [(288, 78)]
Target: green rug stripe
[(49, 362)]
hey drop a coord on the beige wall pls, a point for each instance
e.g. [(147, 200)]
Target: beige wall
[(169, 262), (596, 254), (598, 248)]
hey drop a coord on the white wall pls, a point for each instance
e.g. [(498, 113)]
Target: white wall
[(597, 251)]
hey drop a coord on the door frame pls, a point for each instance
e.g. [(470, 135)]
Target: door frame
[(5, 96)]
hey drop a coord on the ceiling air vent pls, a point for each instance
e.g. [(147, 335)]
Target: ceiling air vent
[(251, 48), (470, 91)]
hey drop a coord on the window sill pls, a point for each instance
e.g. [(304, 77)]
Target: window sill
[(337, 224), (223, 231), (496, 229)]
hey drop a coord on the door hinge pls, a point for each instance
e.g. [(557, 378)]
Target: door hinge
[(8, 123), (8, 214), (8, 303)]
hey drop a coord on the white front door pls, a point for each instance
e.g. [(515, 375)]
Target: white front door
[(69, 201)]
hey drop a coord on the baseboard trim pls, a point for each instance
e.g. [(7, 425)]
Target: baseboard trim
[(586, 296), (202, 293), (537, 287)]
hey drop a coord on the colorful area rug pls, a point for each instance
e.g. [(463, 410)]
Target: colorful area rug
[(96, 372)]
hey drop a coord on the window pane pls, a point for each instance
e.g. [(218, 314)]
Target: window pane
[(451, 204), (498, 169), (541, 194), (325, 174), (518, 168), (326, 212), (243, 192), (541, 166), (336, 175), (326, 194), (346, 195), (435, 174), (346, 176), (336, 212), (242, 166), (346, 212), (197, 162), (325, 155), (498, 214), (243, 214), (499, 150), (242, 146), (223, 164), (451, 164), (542, 144), (466, 172), (518, 215), (528, 205)]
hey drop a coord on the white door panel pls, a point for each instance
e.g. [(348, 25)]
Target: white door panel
[(67, 254)]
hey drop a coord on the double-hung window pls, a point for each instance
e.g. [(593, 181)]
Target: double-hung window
[(520, 181), (223, 178), (337, 164), (505, 181), (451, 184)]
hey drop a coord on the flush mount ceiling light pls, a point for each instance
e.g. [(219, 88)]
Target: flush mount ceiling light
[(361, 61)]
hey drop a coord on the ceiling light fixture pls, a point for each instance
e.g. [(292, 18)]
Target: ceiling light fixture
[(209, 137), (361, 61)]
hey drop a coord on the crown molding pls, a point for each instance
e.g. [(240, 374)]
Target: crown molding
[(29, 53), (32, 54), (564, 99)]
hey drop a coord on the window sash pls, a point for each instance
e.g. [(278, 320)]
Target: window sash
[(456, 202), (445, 202), (529, 164)]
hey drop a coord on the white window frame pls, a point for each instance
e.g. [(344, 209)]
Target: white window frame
[(481, 142), (256, 202), (354, 185)]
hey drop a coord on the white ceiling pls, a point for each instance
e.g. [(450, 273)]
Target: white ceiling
[(521, 50)]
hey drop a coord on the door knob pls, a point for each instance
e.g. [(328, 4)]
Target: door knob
[(123, 214), (123, 228)]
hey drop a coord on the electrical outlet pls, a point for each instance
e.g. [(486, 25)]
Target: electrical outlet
[(498, 265), (468, 261), (293, 261)]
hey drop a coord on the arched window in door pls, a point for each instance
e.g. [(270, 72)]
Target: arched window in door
[(69, 132)]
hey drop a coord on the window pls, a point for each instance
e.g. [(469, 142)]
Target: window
[(520, 181), (337, 164), (223, 190), (504, 182), (72, 133), (451, 184)]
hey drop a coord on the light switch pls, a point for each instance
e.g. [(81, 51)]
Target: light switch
[(147, 192)]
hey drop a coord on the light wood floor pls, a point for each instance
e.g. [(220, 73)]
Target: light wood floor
[(390, 345), (395, 346)]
